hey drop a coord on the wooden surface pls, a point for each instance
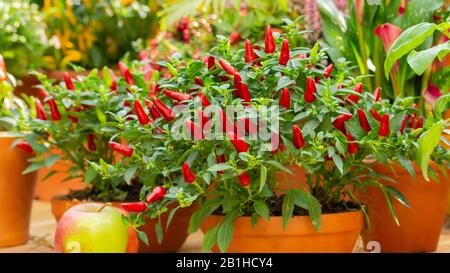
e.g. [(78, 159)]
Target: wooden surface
[(43, 226)]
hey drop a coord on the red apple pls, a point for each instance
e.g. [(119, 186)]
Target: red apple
[(94, 227)]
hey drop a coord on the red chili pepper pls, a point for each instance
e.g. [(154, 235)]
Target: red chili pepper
[(211, 62), (113, 86), (244, 93), (68, 81), (412, 119), (203, 119), (269, 43), (157, 194), (54, 111), (204, 100), (121, 149), (240, 145), (403, 125), (189, 176), (153, 111), (194, 129), (310, 90), (352, 97), (3, 75), (25, 146), (143, 118), (285, 53), (285, 98), (303, 56), (126, 74), (234, 38), (339, 122), (375, 114), (384, 126), (220, 159), (351, 146), (177, 95), (237, 84), (377, 94), (244, 179), (249, 55), (198, 81), (297, 137), (227, 67), (226, 124), (164, 110), (40, 112), (419, 123), (91, 142), (363, 120), (327, 72), (134, 207)]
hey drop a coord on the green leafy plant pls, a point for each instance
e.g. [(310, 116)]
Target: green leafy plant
[(193, 151)]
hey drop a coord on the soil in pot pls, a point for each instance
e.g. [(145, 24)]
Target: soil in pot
[(16, 193), (339, 232), (173, 238), (420, 225)]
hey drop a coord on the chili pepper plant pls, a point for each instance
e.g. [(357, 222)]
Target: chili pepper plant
[(201, 139)]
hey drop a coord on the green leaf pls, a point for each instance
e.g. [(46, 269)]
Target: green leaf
[(287, 208), (90, 175), (207, 208), (263, 177), (338, 161), (33, 167), (226, 230), (142, 236), (100, 115), (283, 82), (49, 161), (129, 173), (307, 201), (210, 238), (390, 204), (442, 105), (407, 41), (170, 217), (279, 166), (329, 10), (427, 142), (398, 195), (107, 76), (159, 232), (219, 167), (421, 60), (261, 209), (407, 165)]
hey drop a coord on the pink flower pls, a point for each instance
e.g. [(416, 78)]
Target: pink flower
[(431, 94), (388, 33)]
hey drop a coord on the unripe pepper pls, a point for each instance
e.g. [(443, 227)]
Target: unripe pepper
[(188, 175), (164, 110), (227, 67), (194, 129), (121, 149), (351, 146), (240, 145), (25, 146), (40, 112), (91, 142), (269, 41), (297, 137), (177, 95), (249, 55), (285, 53), (327, 71), (352, 97), (377, 94), (384, 126), (126, 74), (339, 122), (204, 100), (134, 206), (157, 194), (375, 114), (68, 81), (244, 179), (285, 98), (153, 111), (310, 90), (363, 120), (140, 113)]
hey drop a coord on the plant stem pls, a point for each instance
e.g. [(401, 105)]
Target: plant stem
[(104, 206)]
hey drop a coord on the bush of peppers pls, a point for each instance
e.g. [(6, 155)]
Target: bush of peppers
[(327, 125)]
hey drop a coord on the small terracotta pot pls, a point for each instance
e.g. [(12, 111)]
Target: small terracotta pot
[(16, 193), (420, 225), (338, 233), (447, 116), (173, 238), (296, 180)]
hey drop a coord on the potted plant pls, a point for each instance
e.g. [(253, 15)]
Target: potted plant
[(397, 42), (16, 190), (196, 151), (71, 126)]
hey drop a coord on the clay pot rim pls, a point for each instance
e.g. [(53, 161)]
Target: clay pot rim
[(356, 211)]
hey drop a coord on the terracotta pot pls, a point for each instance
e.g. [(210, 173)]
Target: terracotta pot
[(16, 193), (420, 225), (296, 180), (447, 116), (173, 238), (338, 233)]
